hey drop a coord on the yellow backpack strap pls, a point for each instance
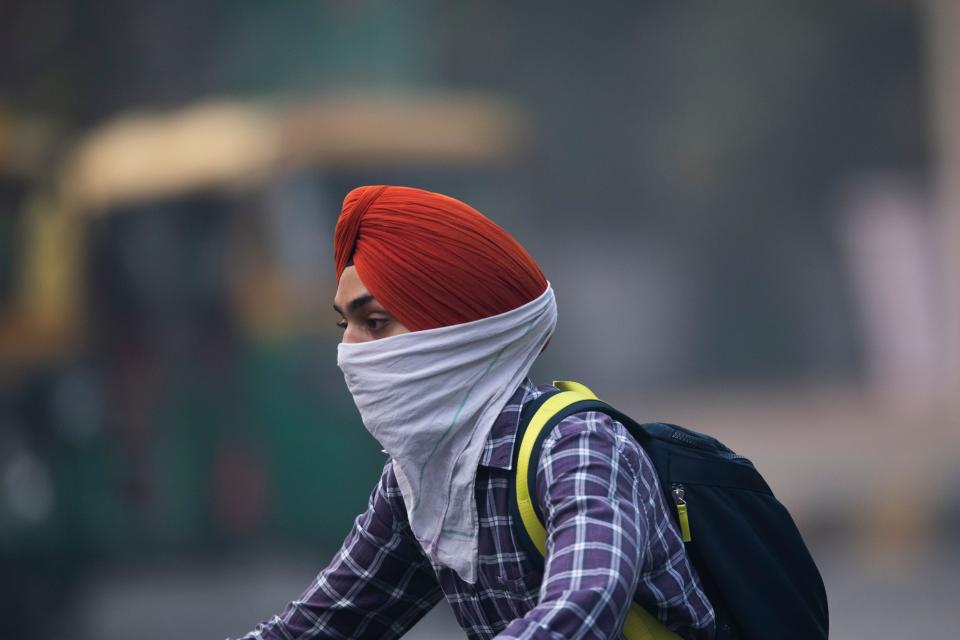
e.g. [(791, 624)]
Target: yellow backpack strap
[(528, 514), (640, 624), (570, 385)]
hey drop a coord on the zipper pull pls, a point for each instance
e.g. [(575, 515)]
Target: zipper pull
[(679, 498)]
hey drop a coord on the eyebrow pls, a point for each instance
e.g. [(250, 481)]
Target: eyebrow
[(356, 303)]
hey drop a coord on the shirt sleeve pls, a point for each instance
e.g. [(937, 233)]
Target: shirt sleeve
[(588, 486), (378, 585)]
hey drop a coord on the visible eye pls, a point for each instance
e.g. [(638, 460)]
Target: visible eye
[(376, 324), (342, 324)]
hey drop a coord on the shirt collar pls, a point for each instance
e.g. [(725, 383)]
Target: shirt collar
[(498, 450)]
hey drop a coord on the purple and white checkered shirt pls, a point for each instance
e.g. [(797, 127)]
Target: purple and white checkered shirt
[(610, 540)]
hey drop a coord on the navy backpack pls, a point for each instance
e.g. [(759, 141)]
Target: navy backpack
[(752, 561)]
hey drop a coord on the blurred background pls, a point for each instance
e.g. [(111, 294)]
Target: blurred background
[(749, 210)]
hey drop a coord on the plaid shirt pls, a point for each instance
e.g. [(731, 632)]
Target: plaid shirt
[(610, 540)]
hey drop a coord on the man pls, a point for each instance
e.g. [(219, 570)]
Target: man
[(443, 315)]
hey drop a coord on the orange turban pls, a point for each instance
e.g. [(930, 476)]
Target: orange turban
[(430, 260)]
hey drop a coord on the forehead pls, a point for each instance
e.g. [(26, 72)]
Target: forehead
[(349, 288)]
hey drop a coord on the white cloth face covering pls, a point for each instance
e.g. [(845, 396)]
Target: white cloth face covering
[(430, 399)]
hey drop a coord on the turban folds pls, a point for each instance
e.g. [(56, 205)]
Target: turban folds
[(431, 260)]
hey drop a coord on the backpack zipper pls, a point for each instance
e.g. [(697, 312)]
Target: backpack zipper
[(691, 441), (696, 443), (680, 500), (730, 455)]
